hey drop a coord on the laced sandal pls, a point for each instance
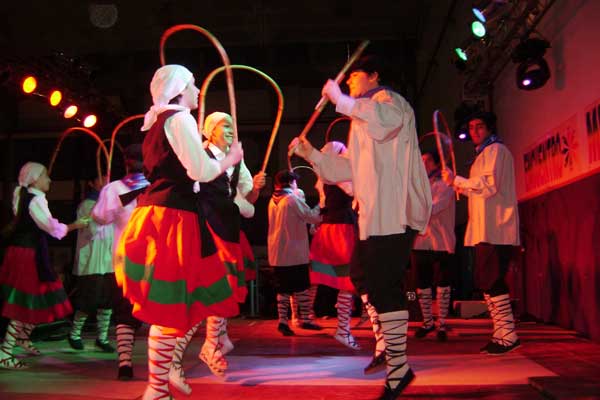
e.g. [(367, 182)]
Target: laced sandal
[(12, 363), (393, 394), (347, 340), (28, 346), (215, 360), (177, 379)]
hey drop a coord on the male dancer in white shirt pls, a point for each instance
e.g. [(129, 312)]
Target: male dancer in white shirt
[(393, 195), (493, 226)]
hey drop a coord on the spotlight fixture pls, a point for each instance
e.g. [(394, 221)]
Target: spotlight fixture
[(533, 71), (75, 102), (90, 121), (484, 10), (478, 29), (532, 74), (70, 111), (55, 98), (479, 14), (462, 54), (29, 84)]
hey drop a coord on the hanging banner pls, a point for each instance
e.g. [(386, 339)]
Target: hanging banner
[(592, 127), (554, 158)]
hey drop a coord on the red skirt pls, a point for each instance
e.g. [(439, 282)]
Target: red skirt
[(232, 256), (26, 299), (163, 274), (330, 253), (249, 261)]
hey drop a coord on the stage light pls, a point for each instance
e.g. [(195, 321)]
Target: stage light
[(533, 71), (70, 111), (462, 136), (462, 54), (487, 11), (90, 121), (29, 84), (532, 74), (479, 14), (55, 98), (478, 29)]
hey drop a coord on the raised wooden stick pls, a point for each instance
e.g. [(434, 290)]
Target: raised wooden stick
[(202, 104), (324, 100), (224, 57)]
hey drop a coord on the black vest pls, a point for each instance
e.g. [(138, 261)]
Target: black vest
[(216, 206), (27, 234), (338, 206), (170, 185)]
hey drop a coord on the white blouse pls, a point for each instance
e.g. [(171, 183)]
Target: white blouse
[(38, 209), (384, 164), (287, 240), (182, 133), (493, 210), (440, 230)]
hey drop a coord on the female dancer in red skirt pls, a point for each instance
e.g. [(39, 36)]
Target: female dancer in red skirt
[(332, 246), (222, 201), (33, 293), (168, 259)]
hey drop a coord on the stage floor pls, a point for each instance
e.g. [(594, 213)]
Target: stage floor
[(552, 363)]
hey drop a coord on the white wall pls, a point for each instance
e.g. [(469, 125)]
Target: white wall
[(573, 29)]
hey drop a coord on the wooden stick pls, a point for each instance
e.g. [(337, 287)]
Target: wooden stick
[(338, 79), (332, 124), (224, 57), (324, 100), (113, 140), (437, 115), (73, 130), (202, 104)]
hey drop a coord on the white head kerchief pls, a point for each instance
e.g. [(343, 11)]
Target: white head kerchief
[(29, 173), (211, 122), (334, 148), (168, 82)]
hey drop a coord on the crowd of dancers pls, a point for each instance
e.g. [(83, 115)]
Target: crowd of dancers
[(163, 245)]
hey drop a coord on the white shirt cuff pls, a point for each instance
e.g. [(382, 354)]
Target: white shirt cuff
[(345, 104), (459, 182)]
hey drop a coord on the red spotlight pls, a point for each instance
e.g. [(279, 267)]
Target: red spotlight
[(90, 121), (29, 84), (55, 98), (70, 111)]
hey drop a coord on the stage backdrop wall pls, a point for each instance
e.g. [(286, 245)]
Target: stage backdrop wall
[(553, 133)]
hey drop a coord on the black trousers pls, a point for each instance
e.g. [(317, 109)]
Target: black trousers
[(291, 279), (378, 267), (122, 313), (425, 262), (491, 266)]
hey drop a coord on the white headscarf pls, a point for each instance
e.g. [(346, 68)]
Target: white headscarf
[(211, 122), (334, 147), (168, 82), (29, 173)]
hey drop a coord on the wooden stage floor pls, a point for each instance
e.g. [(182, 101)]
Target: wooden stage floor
[(552, 363)]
